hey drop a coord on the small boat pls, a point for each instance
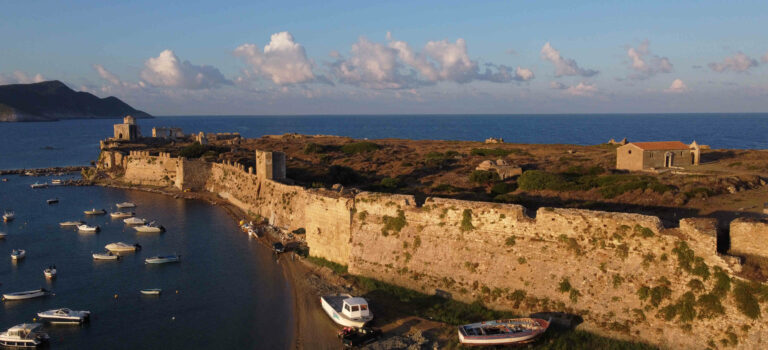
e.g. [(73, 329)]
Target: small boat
[(50, 272), (39, 185), (163, 259), (347, 310), (25, 335), (9, 215), (52, 201), (2, 235), (135, 221), (125, 205), (500, 332), (151, 227), (122, 247), (26, 294), (18, 254), (121, 214), (106, 256), (88, 228), (5, 179), (151, 291), (56, 182), (95, 211), (64, 315), (71, 223)]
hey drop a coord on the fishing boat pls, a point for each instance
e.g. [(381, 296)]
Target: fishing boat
[(163, 259), (95, 211), (25, 335), (106, 256), (18, 254), (151, 227), (151, 291), (122, 247), (26, 294), (125, 205), (88, 228), (52, 201), (56, 182), (121, 214), (347, 310), (500, 332), (135, 221), (9, 215), (39, 185), (64, 315), (50, 272), (71, 223)]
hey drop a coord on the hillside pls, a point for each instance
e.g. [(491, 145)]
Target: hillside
[(52, 100)]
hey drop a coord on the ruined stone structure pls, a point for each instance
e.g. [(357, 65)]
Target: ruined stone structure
[(501, 167), (656, 155), (127, 131), (614, 142), (494, 252), (749, 237), (494, 140), (167, 133)]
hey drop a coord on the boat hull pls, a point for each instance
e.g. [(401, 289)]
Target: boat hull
[(529, 330), (162, 260), (339, 318), (25, 295), (151, 291), (105, 257)]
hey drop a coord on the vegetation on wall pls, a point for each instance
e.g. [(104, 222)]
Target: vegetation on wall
[(394, 224)]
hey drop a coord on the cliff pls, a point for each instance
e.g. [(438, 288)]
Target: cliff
[(52, 100)]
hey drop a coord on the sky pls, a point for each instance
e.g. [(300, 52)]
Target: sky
[(396, 57)]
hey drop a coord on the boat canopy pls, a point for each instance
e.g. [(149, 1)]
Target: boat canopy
[(355, 307), (23, 329)]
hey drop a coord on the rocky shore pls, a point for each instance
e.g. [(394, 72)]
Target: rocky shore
[(45, 171)]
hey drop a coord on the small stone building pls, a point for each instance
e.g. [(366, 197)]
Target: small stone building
[(501, 167), (167, 133), (127, 131), (656, 155)]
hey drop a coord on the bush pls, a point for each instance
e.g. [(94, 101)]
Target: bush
[(466, 220), (502, 188), (722, 282), (643, 231), (195, 150), (532, 180), (343, 175), (710, 306), (338, 268), (574, 295), (510, 241), (483, 176), (617, 280), (393, 223), (389, 183), (696, 285), (564, 286), (359, 147), (496, 152), (746, 301), (446, 188), (313, 148)]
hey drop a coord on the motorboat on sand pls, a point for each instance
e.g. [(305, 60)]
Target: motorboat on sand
[(347, 310), (500, 332)]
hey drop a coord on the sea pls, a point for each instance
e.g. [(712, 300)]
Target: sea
[(228, 291)]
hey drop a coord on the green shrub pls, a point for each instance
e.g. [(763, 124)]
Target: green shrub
[(390, 183), (195, 150), (313, 148), (466, 220), (510, 241), (496, 152), (338, 268), (710, 306), (359, 147), (393, 223), (517, 296), (643, 231), (446, 188), (564, 286), (343, 175), (617, 280), (483, 176), (574, 295), (746, 301), (502, 188), (722, 282), (532, 180), (659, 293), (696, 285), (622, 251)]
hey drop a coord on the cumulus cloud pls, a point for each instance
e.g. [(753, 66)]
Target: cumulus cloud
[(107, 75), (677, 86), (18, 77), (167, 70), (397, 65), (283, 61), (582, 89), (737, 63), (564, 66), (557, 85), (646, 64)]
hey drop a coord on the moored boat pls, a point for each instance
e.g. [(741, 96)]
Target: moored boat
[(50, 272), (125, 205), (500, 332), (88, 228), (134, 221), (25, 335), (163, 259), (39, 185), (121, 214), (151, 291), (106, 256), (2, 235), (151, 227), (56, 182), (64, 315), (71, 223), (8, 216), (29, 294), (347, 310), (52, 201), (95, 211), (18, 254), (122, 247)]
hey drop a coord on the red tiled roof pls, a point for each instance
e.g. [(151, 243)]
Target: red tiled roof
[(660, 145)]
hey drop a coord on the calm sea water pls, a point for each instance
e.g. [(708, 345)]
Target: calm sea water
[(75, 142), (231, 291)]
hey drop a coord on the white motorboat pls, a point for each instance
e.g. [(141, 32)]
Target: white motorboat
[(121, 214), (125, 205), (9, 215), (163, 259), (151, 291), (71, 223), (106, 256), (52, 201), (502, 332), (151, 227), (347, 310), (2, 235), (27, 294), (18, 254), (88, 228), (25, 335), (64, 315), (135, 221), (39, 185), (95, 211), (56, 182), (122, 247), (50, 272)]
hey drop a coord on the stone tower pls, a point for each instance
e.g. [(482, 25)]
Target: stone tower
[(270, 165), (128, 130)]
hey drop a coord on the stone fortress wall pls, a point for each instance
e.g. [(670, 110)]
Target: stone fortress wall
[(498, 253)]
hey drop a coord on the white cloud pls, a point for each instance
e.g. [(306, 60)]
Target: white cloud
[(557, 85), (375, 66), (283, 60), (18, 77), (737, 63), (166, 70), (677, 86), (765, 58), (564, 66), (645, 63), (582, 89)]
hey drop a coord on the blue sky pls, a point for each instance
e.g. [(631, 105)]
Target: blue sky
[(288, 57)]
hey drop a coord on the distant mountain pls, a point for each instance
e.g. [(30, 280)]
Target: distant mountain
[(52, 100)]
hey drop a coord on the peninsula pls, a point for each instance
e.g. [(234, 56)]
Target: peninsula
[(53, 100)]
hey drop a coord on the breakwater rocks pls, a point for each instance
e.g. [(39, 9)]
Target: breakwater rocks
[(45, 171)]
